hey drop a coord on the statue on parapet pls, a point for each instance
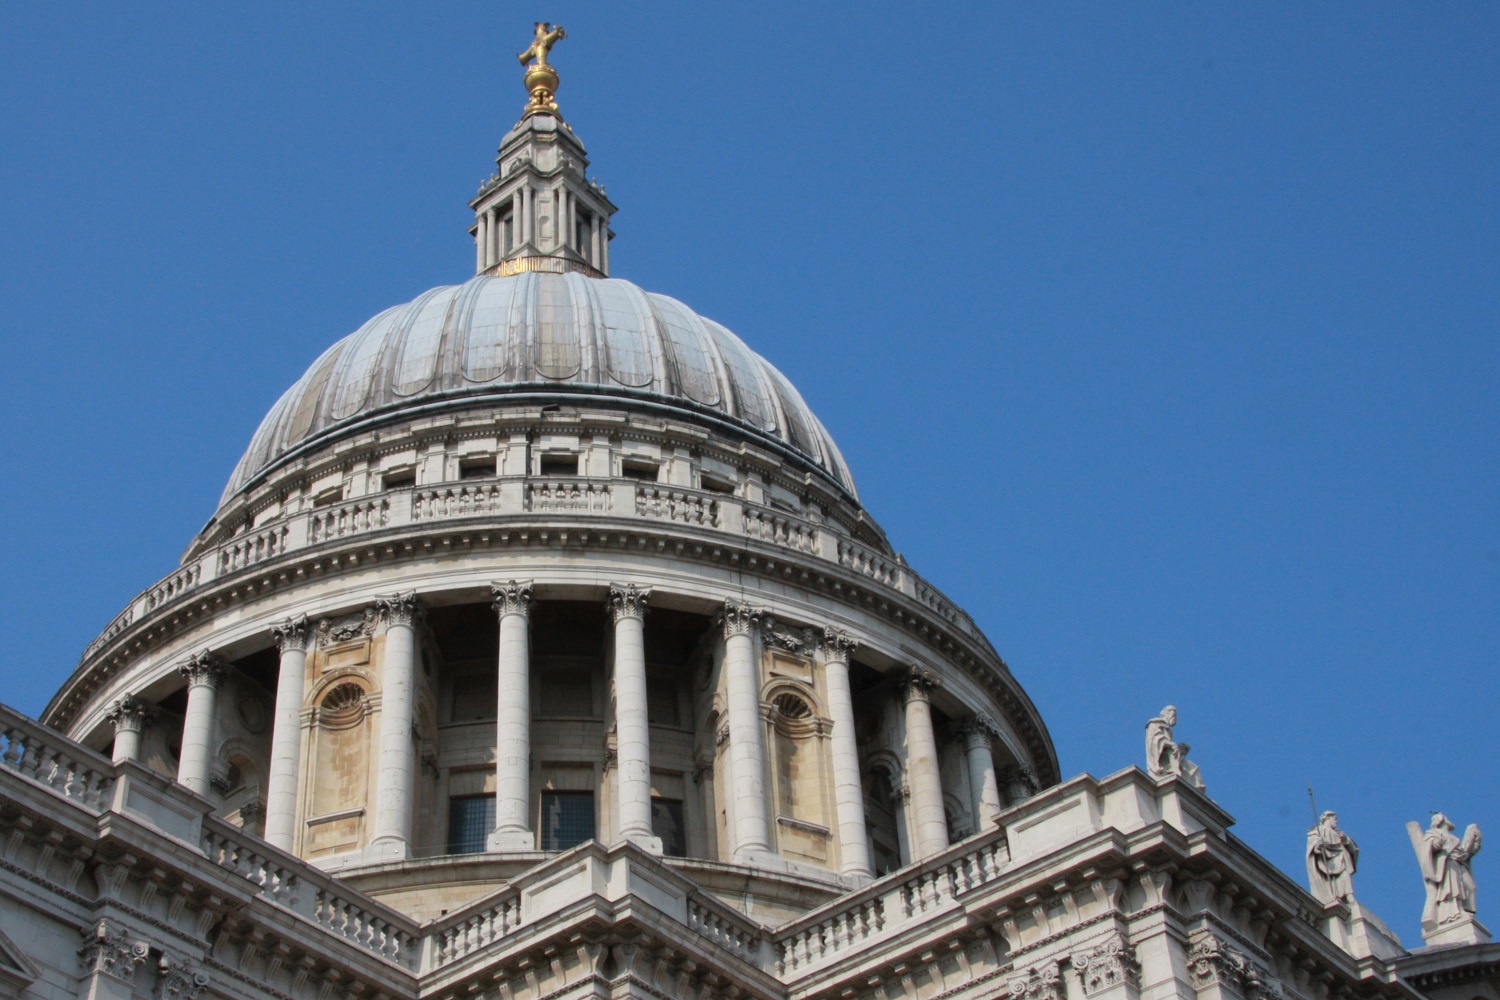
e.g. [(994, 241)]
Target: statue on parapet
[(1446, 871), (1165, 757), (547, 35), (1332, 857)]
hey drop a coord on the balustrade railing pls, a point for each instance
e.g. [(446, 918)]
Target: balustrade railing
[(676, 505), (464, 935), (328, 523), (38, 754), (440, 502), (861, 559), (247, 550), (173, 586), (582, 495), (737, 936), (780, 529)]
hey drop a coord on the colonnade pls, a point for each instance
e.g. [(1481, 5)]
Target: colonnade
[(749, 820), (491, 245)]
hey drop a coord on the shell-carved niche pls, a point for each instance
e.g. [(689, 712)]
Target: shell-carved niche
[(341, 750), (800, 774)]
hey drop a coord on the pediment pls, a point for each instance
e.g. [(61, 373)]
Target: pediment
[(16, 969)]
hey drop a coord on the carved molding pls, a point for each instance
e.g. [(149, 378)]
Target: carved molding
[(918, 682), (108, 950), (794, 640), (1106, 966), (738, 619), (1212, 962), (511, 598), (204, 668), (347, 628), (628, 601), (180, 980), (400, 610), (1041, 982), (979, 732), (292, 633), (131, 714), (1020, 782), (838, 645)]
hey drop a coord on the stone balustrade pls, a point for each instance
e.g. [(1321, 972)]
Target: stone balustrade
[(540, 496), (50, 760)]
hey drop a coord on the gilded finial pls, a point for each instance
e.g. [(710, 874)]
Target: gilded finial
[(541, 78)]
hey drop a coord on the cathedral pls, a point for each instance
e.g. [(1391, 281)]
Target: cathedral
[(541, 647)]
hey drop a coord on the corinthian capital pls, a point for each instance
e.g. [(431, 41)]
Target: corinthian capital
[(838, 645), (108, 951), (628, 601), (204, 668), (979, 731), (180, 980), (738, 619), (919, 682), (1105, 966), (130, 714), (513, 598), (400, 609), (292, 633)]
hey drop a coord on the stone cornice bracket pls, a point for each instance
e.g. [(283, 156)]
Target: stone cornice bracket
[(738, 619), (918, 682), (401, 609), (1041, 982), (979, 731), (204, 668), (838, 645), (108, 950), (180, 980), (131, 714), (293, 633), (512, 598), (628, 601), (1107, 965)]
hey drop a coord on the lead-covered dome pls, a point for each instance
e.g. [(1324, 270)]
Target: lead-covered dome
[(501, 339)]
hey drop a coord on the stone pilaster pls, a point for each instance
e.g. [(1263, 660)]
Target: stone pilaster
[(109, 957), (1108, 971)]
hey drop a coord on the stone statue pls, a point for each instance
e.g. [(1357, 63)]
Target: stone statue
[(1332, 857), (546, 36), (1165, 757), (1445, 861)]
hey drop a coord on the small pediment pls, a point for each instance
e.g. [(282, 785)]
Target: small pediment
[(16, 970)]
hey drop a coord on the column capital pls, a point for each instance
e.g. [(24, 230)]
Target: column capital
[(204, 667), (512, 598), (130, 714), (400, 609), (628, 601), (1020, 781), (838, 644), (918, 682), (180, 980), (979, 731), (293, 633), (108, 950), (738, 618)]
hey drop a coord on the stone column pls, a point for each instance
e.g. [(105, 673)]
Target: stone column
[(747, 750), (979, 734), (528, 214), (848, 793), (594, 239), (286, 732), (396, 769), (627, 606), (203, 671), (603, 264), (482, 242), (928, 822), (130, 716), (517, 205), (512, 603), (1020, 784)]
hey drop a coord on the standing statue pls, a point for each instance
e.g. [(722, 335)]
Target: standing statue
[(1332, 857), (1166, 758), (546, 36), (1445, 861)]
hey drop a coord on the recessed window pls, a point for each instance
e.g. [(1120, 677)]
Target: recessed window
[(510, 233), (470, 820), (666, 823), (476, 468), (567, 819), (714, 484), (646, 472), (399, 479), (329, 497), (559, 465)]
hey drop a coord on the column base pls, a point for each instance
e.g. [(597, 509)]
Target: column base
[(1464, 930), (510, 840), (651, 845), (388, 849)]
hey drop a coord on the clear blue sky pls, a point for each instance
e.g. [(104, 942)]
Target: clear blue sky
[(1161, 336)]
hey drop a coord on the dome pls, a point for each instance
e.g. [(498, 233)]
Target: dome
[(539, 335)]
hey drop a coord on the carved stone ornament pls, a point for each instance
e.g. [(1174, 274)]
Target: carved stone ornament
[(979, 732), (204, 668), (1020, 782), (130, 714), (1106, 966), (1211, 962), (1042, 982), (400, 609), (108, 951), (794, 640), (512, 598), (738, 619), (292, 633), (920, 682), (180, 980), (360, 625), (838, 645), (628, 601)]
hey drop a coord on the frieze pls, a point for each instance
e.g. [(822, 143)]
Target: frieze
[(512, 598), (1107, 965), (628, 601), (347, 628)]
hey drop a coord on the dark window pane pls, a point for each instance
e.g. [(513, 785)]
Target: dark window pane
[(666, 823), (470, 820), (567, 819)]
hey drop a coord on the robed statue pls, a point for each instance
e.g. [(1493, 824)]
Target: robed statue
[(1332, 857), (1446, 871), (547, 35), (1165, 757)]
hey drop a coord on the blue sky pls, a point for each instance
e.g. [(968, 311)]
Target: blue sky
[(1160, 336)]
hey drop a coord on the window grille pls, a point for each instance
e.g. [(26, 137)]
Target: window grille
[(567, 819), (470, 820), (666, 823)]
